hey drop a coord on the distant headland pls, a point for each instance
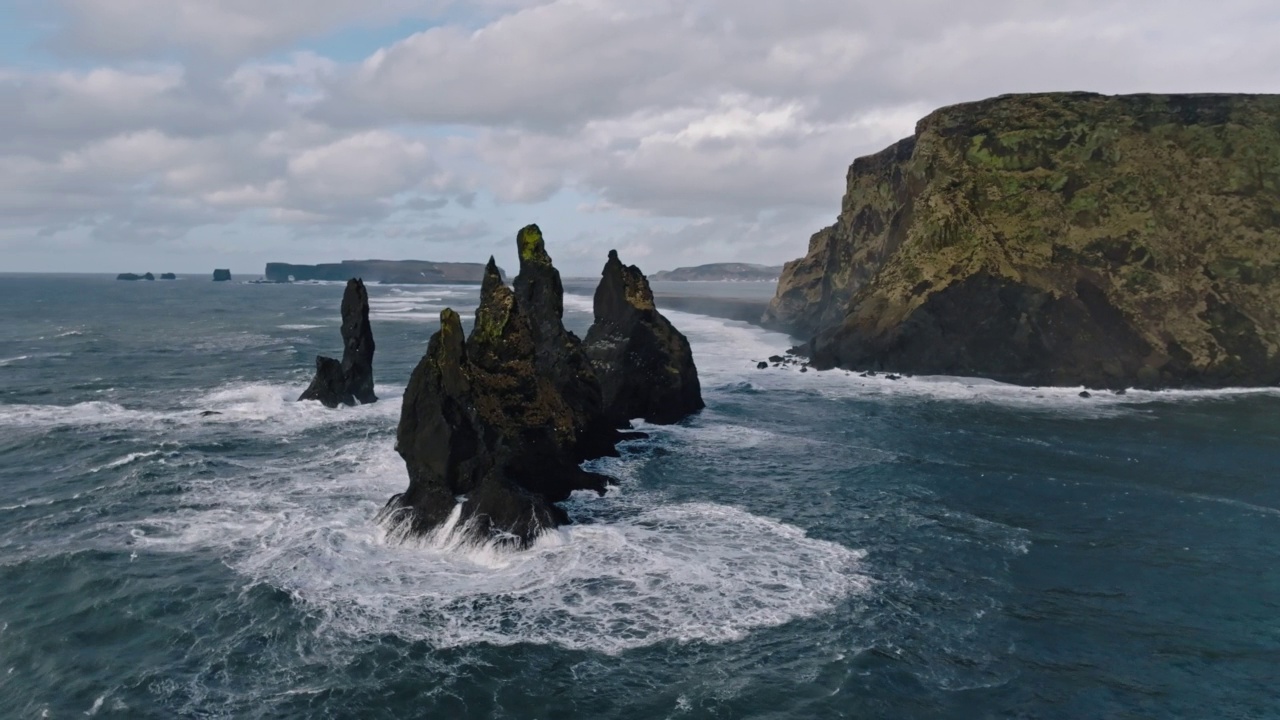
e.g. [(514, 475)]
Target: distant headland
[(741, 272), (381, 271)]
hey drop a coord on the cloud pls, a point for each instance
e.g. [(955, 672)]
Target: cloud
[(689, 129), (222, 29)]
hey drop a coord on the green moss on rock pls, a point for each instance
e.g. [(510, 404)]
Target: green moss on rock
[(1165, 204)]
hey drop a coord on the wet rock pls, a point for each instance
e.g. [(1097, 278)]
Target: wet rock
[(644, 364), (1085, 394), (349, 381), (775, 358), (762, 365), (494, 427), (207, 413)]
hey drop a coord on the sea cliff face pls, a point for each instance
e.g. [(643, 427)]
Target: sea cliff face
[(407, 272), (1063, 238)]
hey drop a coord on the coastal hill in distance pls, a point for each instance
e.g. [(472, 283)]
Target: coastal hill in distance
[(742, 272), (407, 272)]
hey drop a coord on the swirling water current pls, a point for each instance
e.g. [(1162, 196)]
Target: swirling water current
[(812, 545)]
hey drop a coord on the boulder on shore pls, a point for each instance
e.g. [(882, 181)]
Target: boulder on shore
[(644, 364), (349, 381), (495, 426)]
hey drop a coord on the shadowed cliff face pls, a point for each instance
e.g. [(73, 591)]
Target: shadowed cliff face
[(350, 380), (1057, 239), (503, 419)]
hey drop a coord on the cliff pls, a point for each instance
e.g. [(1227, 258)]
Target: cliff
[(741, 272), (1063, 238), (381, 271)]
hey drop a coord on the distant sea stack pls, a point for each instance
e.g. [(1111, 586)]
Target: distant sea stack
[(494, 427), (221, 275), (408, 272), (168, 276), (732, 272), (1057, 239), (349, 381)]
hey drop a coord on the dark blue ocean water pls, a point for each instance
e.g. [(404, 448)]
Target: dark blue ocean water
[(813, 545)]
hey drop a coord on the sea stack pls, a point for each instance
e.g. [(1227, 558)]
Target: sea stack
[(350, 381), (494, 426), (221, 275), (644, 364), (1057, 239)]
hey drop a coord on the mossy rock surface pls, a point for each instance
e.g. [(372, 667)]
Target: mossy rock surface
[(1124, 240), (494, 427)]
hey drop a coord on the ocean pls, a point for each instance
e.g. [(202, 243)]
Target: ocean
[(812, 545)]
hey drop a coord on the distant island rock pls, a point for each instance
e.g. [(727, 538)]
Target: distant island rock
[(168, 276), (740, 272), (221, 275), (1057, 239), (408, 272), (494, 427), (349, 381), (135, 276)]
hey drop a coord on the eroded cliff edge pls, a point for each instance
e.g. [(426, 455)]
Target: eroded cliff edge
[(1062, 238)]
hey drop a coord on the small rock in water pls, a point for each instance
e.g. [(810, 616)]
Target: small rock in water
[(1085, 394), (775, 358), (207, 413), (762, 365), (1122, 391), (871, 373), (804, 368), (891, 376)]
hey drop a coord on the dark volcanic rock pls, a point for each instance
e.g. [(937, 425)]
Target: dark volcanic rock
[(128, 276), (148, 276), (644, 364), (482, 418), (221, 275), (351, 380), (168, 276), (494, 427), (1057, 239), (559, 355)]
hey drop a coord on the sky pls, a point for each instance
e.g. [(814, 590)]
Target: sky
[(184, 135)]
